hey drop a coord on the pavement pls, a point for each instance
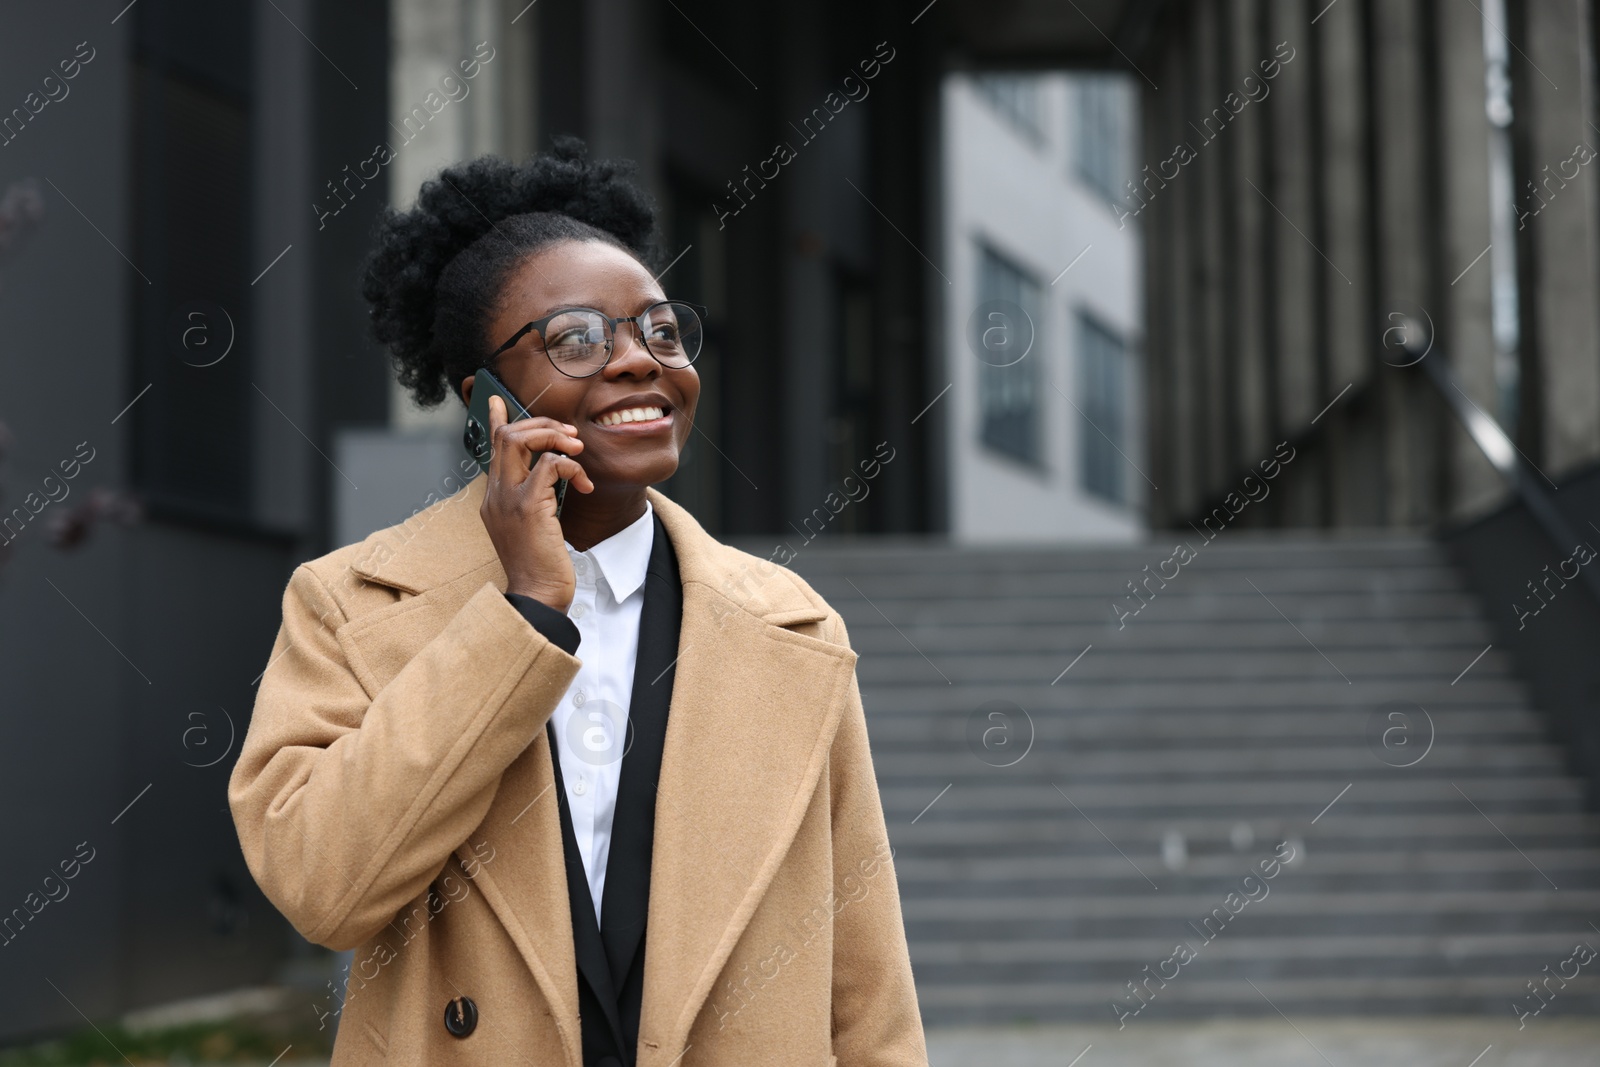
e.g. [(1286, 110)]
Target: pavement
[(1433, 1042), (1555, 1040), (1465, 1042)]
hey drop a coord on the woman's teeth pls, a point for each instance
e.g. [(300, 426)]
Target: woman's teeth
[(612, 418)]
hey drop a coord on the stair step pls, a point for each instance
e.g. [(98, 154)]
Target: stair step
[(1069, 637), (1225, 941), (1583, 863), (1358, 995), (932, 610), (1569, 906), (935, 696), (1382, 829), (1249, 688), (1300, 793), (1105, 760), (1161, 728), (908, 665)]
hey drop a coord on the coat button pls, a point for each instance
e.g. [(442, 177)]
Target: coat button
[(461, 1016)]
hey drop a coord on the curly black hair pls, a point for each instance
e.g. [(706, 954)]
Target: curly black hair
[(436, 273)]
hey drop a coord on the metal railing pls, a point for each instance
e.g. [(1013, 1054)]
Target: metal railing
[(1501, 452)]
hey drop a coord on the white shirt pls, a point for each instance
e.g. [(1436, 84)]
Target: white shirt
[(591, 720)]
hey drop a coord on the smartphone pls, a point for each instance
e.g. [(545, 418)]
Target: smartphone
[(476, 436)]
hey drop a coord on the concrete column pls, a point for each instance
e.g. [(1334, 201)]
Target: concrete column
[(1160, 288), (1298, 266), (1184, 379), (1553, 105), (1401, 255), (1247, 320), (1209, 131), (1464, 322), (1288, 196), (1352, 328)]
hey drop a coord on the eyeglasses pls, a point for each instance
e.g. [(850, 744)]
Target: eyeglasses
[(580, 341)]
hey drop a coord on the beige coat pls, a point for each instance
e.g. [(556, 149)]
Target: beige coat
[(394, 795)]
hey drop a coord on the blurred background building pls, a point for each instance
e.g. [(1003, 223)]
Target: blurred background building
[(1043, 321), (1218, 233)]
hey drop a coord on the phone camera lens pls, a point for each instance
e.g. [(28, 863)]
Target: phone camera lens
[(473, 438)]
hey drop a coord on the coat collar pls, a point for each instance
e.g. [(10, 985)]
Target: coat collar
[(753, 712), (447, 541)]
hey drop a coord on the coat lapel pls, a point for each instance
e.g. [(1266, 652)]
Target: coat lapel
[(627, 889), (752, 712)]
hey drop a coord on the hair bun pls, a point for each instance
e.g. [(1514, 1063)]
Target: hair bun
[(412, 248)]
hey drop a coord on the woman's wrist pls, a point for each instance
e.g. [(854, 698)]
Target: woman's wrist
[(544, 594)]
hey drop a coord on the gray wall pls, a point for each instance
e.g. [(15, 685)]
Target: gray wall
[(130, 659), (195, 145)]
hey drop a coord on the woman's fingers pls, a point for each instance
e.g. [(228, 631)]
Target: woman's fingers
[(517, 445), (497, 419), (519, 504), (571, 469), (548, 467)]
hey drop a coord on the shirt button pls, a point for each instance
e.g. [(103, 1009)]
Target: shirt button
[(581, 788), (580, 565), (577, 611), (578, 698)]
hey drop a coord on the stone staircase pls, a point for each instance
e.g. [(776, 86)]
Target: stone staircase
[(1064, 816)]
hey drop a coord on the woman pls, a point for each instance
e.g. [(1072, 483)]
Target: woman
[(587, 788)]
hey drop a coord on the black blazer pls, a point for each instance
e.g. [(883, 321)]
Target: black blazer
[(611, 960)]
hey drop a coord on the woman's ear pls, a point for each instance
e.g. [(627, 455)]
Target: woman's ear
[(466, 390)]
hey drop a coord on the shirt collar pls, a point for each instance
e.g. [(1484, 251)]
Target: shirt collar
[(624, 557)]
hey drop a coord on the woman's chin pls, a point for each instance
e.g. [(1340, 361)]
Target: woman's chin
[(634, 476)]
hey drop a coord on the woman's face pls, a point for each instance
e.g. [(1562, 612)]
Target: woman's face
[(596, 275)]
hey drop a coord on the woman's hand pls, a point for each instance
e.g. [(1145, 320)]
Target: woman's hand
[(519, 506)]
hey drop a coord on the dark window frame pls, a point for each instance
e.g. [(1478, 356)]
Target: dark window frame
[(1017, 98), (1102, 134), (1010, 430), (1104, 388)]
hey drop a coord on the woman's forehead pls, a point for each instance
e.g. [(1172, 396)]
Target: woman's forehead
[(584, 273)]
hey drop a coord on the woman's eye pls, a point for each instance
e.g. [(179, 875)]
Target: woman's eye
[(574, 338)]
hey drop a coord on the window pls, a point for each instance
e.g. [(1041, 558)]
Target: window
[(1008, 385), (1014, 96), (1103, 400), (1103, 121), (190, 111)]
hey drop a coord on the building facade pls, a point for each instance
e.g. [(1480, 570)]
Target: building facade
[(1043, 323)]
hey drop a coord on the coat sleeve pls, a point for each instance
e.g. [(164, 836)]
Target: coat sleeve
[(348, 804), (876, 1019)]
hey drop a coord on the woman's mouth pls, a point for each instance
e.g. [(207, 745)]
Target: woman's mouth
[(644, 419)]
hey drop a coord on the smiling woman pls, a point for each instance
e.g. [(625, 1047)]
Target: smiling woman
[(662, 807)]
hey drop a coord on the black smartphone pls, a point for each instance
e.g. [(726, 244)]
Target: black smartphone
[(476, 436)]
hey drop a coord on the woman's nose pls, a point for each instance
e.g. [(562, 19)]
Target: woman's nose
[(629, 343)]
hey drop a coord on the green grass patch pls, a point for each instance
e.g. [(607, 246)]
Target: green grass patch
[(198, 1043)]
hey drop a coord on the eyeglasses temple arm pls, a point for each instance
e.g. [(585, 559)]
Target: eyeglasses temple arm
[(519, 335)]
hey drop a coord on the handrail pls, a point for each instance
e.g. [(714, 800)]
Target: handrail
[(1501, 452)]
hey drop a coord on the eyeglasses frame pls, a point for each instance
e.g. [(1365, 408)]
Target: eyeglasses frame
[(611, 343)]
